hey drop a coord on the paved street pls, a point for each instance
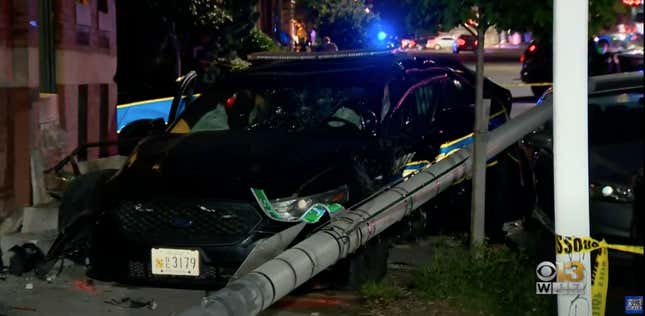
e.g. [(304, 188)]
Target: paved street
[(69, 294)]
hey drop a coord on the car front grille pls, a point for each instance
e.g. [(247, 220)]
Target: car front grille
[(186, 221)]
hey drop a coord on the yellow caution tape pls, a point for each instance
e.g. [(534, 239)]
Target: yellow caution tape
[(600, 276)]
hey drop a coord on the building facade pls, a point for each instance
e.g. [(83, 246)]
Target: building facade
[(277, 19), (57, 63)]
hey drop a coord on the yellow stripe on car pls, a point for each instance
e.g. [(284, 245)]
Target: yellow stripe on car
[(126, 105)]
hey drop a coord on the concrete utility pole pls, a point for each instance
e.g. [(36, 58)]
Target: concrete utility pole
[(257, 290), (482, 109), (570, 140), (478, 198)]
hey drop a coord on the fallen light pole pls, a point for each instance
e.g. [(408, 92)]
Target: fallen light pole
[(260, 288)]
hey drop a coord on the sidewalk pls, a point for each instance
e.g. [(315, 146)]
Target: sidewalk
[(71, 294)]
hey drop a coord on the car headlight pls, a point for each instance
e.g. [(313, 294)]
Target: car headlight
[(307, 208), (612, 192)]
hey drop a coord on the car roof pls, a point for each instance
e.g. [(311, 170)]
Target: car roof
[(612, 82), (607, 84), (380, 66)]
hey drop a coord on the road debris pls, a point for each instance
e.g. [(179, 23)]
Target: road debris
[(4, 309), (86, 286), (127, 302), (23, 308), (25, 258)]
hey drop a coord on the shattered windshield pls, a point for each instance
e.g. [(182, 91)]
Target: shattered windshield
[(285, 107)]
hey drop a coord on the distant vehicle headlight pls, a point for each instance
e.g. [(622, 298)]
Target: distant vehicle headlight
[(308, 208), (612, 192)]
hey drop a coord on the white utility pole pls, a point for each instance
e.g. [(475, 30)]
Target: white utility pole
[(570, 40)]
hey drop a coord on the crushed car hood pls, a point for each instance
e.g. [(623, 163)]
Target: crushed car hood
[(227, 164)]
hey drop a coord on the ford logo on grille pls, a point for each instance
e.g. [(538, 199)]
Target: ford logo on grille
[(181, 222)]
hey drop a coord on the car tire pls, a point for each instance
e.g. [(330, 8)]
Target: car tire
[(81, 195)]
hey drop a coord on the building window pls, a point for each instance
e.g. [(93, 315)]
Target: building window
[(82, 121), (104, 40), (83, 13), (104, 117), (102, 6), (82, 35)]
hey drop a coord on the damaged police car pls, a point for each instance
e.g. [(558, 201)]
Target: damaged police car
[(276, 150)]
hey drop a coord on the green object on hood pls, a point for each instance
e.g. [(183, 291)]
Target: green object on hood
[(311, 216)]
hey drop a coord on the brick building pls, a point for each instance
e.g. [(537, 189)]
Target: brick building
[(57, 62)]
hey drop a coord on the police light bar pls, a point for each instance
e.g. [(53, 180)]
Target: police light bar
[(319, 55)]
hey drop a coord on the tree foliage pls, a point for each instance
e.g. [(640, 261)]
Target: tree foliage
[(229, 23), (223, 30), (346, 22)]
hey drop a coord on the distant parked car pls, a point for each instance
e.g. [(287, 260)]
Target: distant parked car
[(440, 42), (464, 42), (408, 43)]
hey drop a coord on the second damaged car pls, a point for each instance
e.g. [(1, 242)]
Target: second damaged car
[(258, 162)]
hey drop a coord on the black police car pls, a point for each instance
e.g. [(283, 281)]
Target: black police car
[(274, 150)]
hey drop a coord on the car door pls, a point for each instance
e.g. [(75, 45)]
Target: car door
[(455, 115), (415, 103)]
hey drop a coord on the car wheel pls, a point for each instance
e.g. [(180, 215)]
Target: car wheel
[(437, 47), (367, 264), (539, 90), (75, 220), (80, 195)]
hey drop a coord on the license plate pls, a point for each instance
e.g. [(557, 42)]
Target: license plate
[(166, 261)]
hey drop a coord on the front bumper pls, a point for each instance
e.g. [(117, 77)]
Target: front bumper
[(223, 233), (612, 220)]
